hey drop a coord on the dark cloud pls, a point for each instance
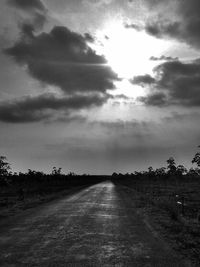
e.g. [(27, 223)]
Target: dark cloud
[(190, 13), (62, 58), (47, 106), (155, 99), (143, 79), (67, 118), (176, 70), (166, 58), (185, 28), (89, 37), (175, 83), (162, 28), (28, 5), (35, 9), (133, 26)]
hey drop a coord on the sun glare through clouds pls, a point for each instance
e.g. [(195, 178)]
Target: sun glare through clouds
[(128, 52)]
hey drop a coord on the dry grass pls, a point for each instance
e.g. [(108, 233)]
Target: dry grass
[(159, 200)]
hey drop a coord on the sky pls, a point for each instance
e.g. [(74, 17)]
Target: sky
[(99, 86)]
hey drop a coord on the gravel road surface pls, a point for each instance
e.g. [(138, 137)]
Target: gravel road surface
[(96, 226)]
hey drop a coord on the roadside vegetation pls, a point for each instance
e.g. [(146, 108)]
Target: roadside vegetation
[(169, 196), (20, 191)]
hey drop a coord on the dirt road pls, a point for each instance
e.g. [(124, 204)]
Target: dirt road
[(97, 226)]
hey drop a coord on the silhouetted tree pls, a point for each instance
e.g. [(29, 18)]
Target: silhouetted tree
[(181, 170), (31, 172), (160, 171), (4, 166), (193, 172), (171, 166), (196, 159), (150, 169), (151, 172), (4, 171), (71, 174), (56, 171)]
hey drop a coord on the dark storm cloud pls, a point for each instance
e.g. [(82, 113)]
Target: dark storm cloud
[(166, 58), (173, 71), (182, 80), (47, 106), (175, 83), (184, 28), (143, 79), (190, 13), (62, 58)]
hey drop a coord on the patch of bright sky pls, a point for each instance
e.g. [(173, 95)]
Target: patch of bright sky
[(126, 88), (127, 111), (183, 51), (128, 52)]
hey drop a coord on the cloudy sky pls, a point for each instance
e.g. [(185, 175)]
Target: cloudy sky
[(97, 86)]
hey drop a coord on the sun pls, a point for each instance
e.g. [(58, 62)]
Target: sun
[(128, 51)]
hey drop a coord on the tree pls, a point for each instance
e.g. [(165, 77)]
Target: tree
[(150, 169), (31, 172), (56, 171), (4, 171), (181, 170), (4, 166), (72, 174), (193, 172), (196, 159), (151, 172), (160, 172), (171, 166)]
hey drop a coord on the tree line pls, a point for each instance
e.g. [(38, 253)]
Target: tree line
[(8, 177), (171, 170)]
